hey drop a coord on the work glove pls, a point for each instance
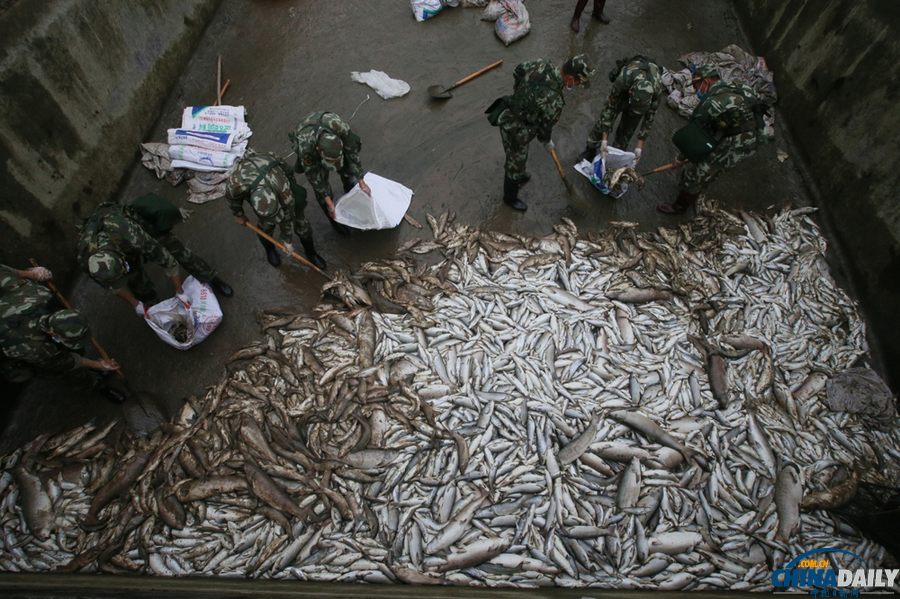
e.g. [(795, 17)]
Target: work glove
[(604, 149), (287, 248), (40, 273), (140, 310), (637, 155), (550, 145)]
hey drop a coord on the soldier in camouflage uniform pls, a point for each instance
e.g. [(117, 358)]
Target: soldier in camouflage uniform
[(325, 143), (531, 111), (113, 248), (157, 216), (733, 112), (637, 86), (54, 343), (265, 182)]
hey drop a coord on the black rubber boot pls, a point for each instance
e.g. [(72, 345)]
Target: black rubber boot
[(221, 287), (112, 393), (311, 253), (684, 201), (589, 153), (271, 253), (511, 196)]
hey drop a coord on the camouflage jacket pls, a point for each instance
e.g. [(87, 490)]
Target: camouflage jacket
[(308, 159), (635, 69), (31, 343), (20, 299), (261, 180), (537, 100), (110, 229), (728, 109)]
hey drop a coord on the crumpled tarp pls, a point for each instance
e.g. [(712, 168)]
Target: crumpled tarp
[(202, 187), (733, 64)]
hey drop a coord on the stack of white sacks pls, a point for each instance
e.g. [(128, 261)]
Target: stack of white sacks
[(202, 151), (211, 138)]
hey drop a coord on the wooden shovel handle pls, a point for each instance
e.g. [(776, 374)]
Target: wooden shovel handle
[(280, 246), (477, 73), (559, 167)]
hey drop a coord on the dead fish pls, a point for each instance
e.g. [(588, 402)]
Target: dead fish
[(118, 485), (788, 494), (831, 499)]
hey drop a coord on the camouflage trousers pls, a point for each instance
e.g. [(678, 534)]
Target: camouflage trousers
[(298, 219), (697, 176), (140, 284), (515, 140), (189, 261)]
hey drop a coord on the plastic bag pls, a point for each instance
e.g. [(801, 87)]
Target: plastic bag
[(596, 171), (425, 9), (220, 142), (492, 11), (383, 85), (183, 326), (514, 23), (384, 209)]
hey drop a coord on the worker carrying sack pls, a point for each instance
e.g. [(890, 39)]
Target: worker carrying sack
[(694, 141)]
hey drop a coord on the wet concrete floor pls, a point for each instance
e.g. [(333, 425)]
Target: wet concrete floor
[(286, 59)]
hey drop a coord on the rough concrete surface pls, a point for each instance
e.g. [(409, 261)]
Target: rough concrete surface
[(80, 82), (286, 59)]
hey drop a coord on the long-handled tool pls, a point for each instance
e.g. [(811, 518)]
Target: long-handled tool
[(559, 167), (62, 299), (280, 246), (439, 92), (666, 167)]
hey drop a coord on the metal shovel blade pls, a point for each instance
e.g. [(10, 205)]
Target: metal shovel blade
[(439, 92)]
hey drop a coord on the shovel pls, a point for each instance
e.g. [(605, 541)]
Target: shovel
[(666, 167), (441, 93)]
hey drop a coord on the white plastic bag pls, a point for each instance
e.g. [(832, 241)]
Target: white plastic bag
[(383, 85), (199, 320), (596, 170), (514, 23), (425, 9), (492, 11), (384, 209)]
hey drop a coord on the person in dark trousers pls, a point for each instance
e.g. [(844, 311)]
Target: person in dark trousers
[(597, 14)]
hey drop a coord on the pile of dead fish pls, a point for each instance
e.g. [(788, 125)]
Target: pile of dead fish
[(631, 410)]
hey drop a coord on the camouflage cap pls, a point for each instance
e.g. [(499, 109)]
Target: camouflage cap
[(578, 67), (107, 267), (68, 328), (331, 149), (640, 95), (703, 71)]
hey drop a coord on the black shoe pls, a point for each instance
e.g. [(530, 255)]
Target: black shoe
[(221, 287), (588, 154)]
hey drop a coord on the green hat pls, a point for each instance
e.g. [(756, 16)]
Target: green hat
[(69, 328), (330, 149), (107, 267), (578, 67), (705, 70), (640, 95)]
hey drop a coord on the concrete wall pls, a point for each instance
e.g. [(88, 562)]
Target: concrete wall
[(837, 68), (81, 82)]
